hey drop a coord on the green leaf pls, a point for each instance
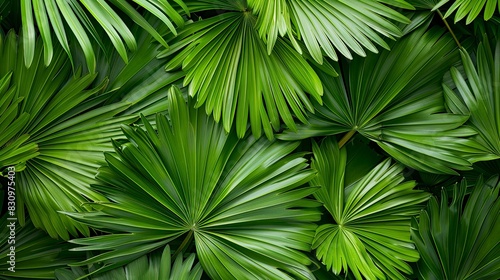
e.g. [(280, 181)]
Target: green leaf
[(240, 200), (70, 13), (155, 266), (472, 8), (28, 31), (458, 241), (257, 87), (395, 99), (371, 232), (35, 254), (52, 137), (330, 26), (478, 95)]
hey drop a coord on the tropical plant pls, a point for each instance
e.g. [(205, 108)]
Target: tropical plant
[(250, 139), (56, 15), (479, 96), (370, 235), (238, 199), (460, 240), (256, 86), (472, 9), (36, 255), (155, 266), (43, 122), (329, 25), (396, 100)]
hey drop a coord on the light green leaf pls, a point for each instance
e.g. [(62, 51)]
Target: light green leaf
[(478, 94), (371, 233), (256, 87)]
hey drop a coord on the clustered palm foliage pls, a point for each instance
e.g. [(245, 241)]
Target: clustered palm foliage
[(250, 139)]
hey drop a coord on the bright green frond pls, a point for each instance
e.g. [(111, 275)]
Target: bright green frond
[(472, 8), (27, 252), (395, 99), (328, 26), (460, 240), (240, 200), (370, 235), (479, 96), (229, 71), (53, 140), (155, 266), (67, 19)]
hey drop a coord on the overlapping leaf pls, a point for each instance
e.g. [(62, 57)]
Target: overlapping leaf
[(53, 136), (57, 16), (395, 99), (69, 125), (472, 8), (461, 240), (479, 96), (36, 255), (240, 200), (155, 266), (229, 71), (370, 235), (329, 26)]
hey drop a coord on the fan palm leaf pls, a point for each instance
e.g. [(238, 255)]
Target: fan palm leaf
[(155, 266), (239, 200), (478, 95), (58, 17), (370, 235), (328, 26), (70, 123), (36, 255), (58, 128), (472, 8), (395, 99), (460, 242), (263, 88)]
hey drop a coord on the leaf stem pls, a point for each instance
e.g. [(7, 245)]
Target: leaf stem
[(449, 28), (183, 244), (346, 138)]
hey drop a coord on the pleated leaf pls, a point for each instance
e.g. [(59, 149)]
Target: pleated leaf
[(53, 138), (35, 254), (329, 26), (239, 201), (395, 99), (155, 266), (229, 71), (472, 8), (66, 19), (460, 240), (370, 236), (478, 95)]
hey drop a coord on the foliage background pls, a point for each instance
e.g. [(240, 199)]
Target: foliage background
[(251, 139)]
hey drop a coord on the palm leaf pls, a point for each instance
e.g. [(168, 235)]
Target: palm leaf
[(265, 88), (329, 26), (54, 138), (472, 8), (395, 99), (70, 124), (457, 242), (36, 255), (371, 233), (479, 96), (60, 16), (155, 266), (238, 199)]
